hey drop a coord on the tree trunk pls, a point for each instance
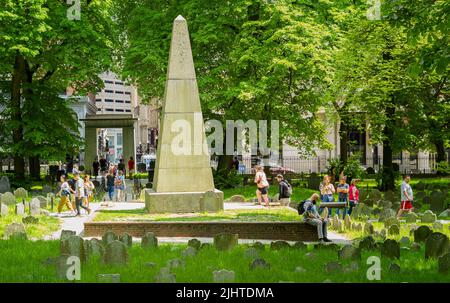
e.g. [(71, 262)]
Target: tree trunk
[(343, 142), (440, 151), (35, 168), (388, 176), (16, 115)]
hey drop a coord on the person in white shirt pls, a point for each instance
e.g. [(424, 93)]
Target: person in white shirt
[(262, 184), (407, 197), (80, 194)]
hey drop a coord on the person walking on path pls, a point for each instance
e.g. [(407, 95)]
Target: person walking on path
[(110, 183), (89, 190), (353, 196), (284, 191), (103, 164), (312, 217), (120, 186), (80, 194), (121, 166), (96, 167), (342, 190), (263, 186), (64, 193), (131, 167), (407, 197), (326, 191)]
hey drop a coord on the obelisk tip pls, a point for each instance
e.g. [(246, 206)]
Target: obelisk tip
[(180, 18)]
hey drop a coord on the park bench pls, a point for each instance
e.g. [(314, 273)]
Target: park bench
[(333, 204)]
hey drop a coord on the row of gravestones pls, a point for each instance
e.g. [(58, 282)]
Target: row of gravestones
[(5, 187), (33, 208)]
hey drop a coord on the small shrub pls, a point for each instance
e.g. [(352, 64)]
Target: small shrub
[(227, 178)]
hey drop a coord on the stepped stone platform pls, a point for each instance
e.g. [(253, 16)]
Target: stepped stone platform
[(288, 231)]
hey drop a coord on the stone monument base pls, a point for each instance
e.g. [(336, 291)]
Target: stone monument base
[(183, 202)]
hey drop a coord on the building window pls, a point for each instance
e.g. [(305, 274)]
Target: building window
[(119, 110), (119, 92), (109, 81), (119, 83), (119, 101), (109, 91), (127, 101), (99, 109), (128, 110), (98, 100), (119, 139), (127, 93), (109, 109), (109, 100)]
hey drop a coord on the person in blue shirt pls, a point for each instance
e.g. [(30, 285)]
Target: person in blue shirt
[(342, 190), (312, 217)]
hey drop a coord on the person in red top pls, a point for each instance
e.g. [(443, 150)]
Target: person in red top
[(131, 166), (353, 196)]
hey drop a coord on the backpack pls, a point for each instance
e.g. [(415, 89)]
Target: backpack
[(301, 207), (289, 191)]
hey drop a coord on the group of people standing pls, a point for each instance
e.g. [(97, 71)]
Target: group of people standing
[(76, 193)]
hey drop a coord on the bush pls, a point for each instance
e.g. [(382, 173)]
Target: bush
[(353, 169), (370, 171), (227, 178)]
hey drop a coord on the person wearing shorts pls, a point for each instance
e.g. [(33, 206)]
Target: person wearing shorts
[(263, 186), (407, 197)]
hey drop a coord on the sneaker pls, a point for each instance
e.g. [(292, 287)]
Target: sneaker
[(321, 240), (327, 240), (89, 211)]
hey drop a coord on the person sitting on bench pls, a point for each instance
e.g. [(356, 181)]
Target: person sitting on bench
[(312, 217)]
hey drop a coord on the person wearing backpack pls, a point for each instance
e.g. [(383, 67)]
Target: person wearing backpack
[(310, 216), (284, 191)]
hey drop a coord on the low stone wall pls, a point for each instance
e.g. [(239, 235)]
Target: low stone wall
[(289, 231)]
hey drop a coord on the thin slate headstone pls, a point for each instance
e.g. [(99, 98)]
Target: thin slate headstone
[(438, 226), (368, 228), (444, 263), (237, 198), (5, 186), (176, 263), (109, 237), (428, 217), (225, 241), (20, 209), (276, 245), (149, 240), (16, 231), (8, 199), (390, 249), (224, 276), (436, 245), (126, 239), (348, 252), (252, 253), (42, 201), (74, 246), (391, 221), (189, 252), (394, 268), (35, 207), (347, 223), (3, 210), (394, 230), (422, 233), (108, 278), (333, 267), (165, 276), (411, 217), (195, 243), (116, 253), (95, 248), (259, 264), (367, 243)]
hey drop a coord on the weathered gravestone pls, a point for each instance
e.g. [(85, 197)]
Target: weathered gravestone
[(348, 252), (251, 252), (20, 209), (324, 213), (437, 203), (74, 246), (223, 276), (35, 207), (21, 193), (42, 201), (436, 245), (367, 243), (165, 276), (368, 228), (385, 204), (259, 246), (46, 189), (126, 239), (115, 253), (422, 233), (389, 196), (109, 237), (149, 240), (3, 210), (394, 268), (30, 220), (195, 243), (444, 264), (386, 214), (65, 234), (444, 214), (15, 231), (333, 267), (390, 249), (428, 217), (189, 252), (347, 223), (176, 263), (259, 264), (8, 199), (94, 248), (4, 185), (375, 195), (411, 217), (108, 278), (404, 241), (394, 230), (276, 245), (225, 241)]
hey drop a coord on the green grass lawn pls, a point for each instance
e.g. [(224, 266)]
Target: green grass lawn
[(247, 215), (22, 261), (47, 225)]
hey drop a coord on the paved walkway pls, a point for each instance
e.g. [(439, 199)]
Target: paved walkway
[(70, 222)]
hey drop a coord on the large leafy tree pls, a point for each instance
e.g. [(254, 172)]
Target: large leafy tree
[(254, 59), (42, 52)]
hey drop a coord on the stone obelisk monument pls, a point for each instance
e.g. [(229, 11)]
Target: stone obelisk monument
[(183, 180)]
